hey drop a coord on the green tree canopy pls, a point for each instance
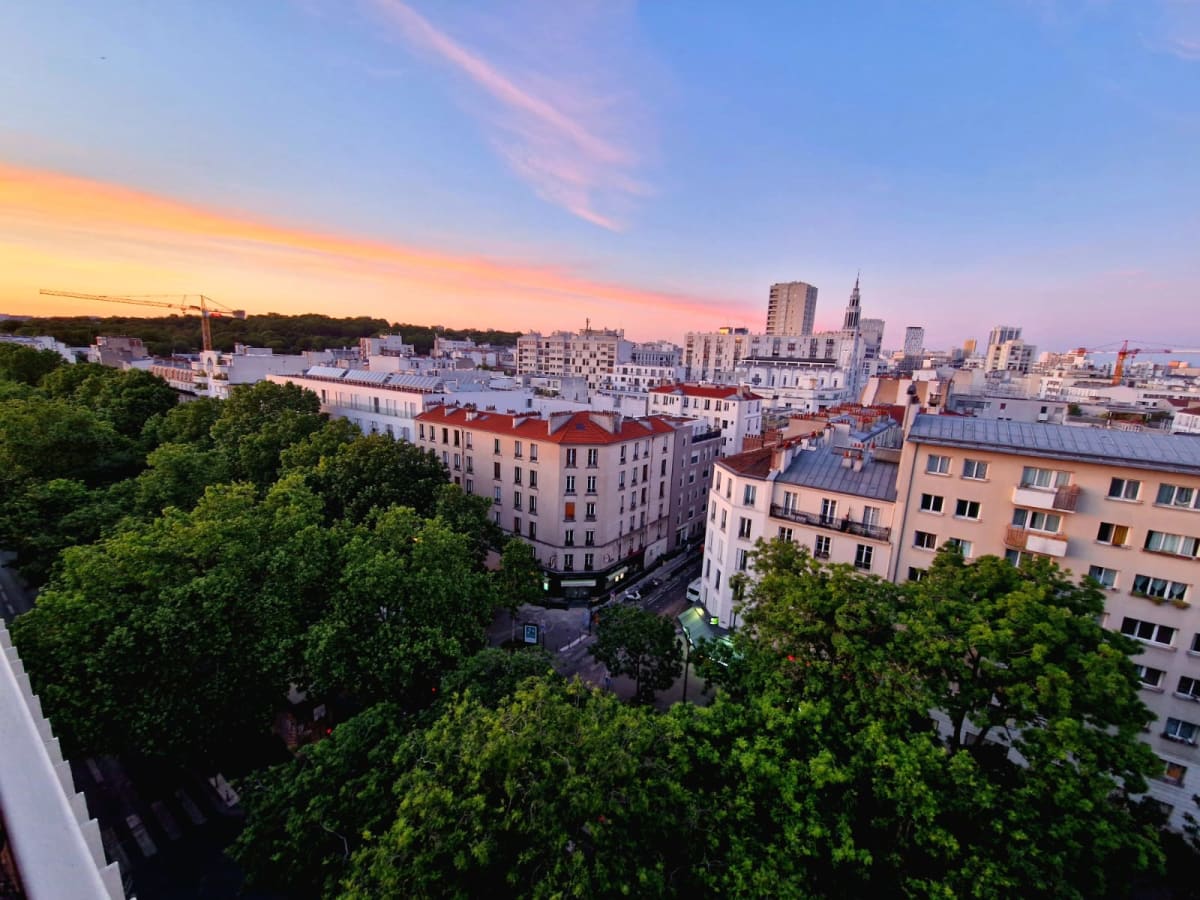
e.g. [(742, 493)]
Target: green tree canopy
[(26, 365), (631, 641), (375, 472), (260, 421)]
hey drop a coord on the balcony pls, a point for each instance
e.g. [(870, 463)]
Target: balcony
[(1035, 541), (844, 525), (1063, 499)]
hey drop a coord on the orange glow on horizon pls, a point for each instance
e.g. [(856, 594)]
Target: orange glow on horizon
[(71, 233)]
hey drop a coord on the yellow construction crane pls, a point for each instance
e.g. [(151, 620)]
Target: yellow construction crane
[(185, 303)]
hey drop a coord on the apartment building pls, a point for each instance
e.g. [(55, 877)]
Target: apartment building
[(836, 497), (591, 353), (791, 308), (736, 411), (1122, 507), (590, 491)]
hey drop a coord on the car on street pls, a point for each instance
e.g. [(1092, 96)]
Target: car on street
[(633, 596)]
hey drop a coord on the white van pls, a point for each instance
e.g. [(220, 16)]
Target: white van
[(693, 591)]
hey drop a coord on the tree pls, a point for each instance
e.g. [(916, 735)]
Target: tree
[(492, 674), (637, 643), (1009, 662), (375, 472), (408, 605), (558, 791), (178, 638), (185, 423), (258, 422), (27, 365), (46, 439), (178, 475), (471, 515), (520, 576)]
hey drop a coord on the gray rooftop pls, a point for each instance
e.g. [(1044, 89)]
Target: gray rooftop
[(1162, 452), (822, 469)]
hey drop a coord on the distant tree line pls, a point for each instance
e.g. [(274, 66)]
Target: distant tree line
[(167, 335)]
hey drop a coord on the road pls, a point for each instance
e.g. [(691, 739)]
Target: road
[(15, 597)]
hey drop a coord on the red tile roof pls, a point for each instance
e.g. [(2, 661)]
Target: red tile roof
[(556, 428), (718, 391)]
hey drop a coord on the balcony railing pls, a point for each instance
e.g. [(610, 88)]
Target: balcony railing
[(1035, 541), (845, 525), (1062, 499)]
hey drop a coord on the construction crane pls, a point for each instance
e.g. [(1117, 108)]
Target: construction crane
[(185, 303), (1127, 353)]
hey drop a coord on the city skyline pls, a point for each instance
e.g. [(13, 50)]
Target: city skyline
[(524, 167)]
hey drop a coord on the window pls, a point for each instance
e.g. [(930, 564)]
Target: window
[(470, 443), (863, 556), (785, 534), (569, 537), (445, 434), (1148, 676), (1106, 577), (622, 454), (470, 486), (496, 470), (743, 557), (963, 547), (568, 562), (1148, 631), (569, 510), (532, 451), (749, 495), (516, 474), (532, 505), (923, 540), (1195, 648), (516, 524), (496, 445), (1173, 773), (724, 519), (533, 478), (589, 538), (1188, 687), (589, 561), (1176, 495), (967, 509), (1124, 489), (496, 494), (517, 449), (821, 546), (1048, 479), (591, 484), (932, 503), (870, 516), (1117, 535), (1036, 520), (1175, 544), (516, 499), (937, 465), (590, 511), (421, 431), (571, 455), (975, 469), (470, 461), (1179, 730), (1162, 588), (533, 531), (828, 511), (915, 574), (620, 481), (744, 527), (593, 457), (457, 461), (570, 487)]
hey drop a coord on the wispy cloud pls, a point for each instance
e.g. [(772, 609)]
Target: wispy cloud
[(550, 118), (53, 224)]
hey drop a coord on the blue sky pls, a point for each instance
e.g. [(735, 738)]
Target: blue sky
[(651, 166)]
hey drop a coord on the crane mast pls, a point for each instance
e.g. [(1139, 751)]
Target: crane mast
[(185, 303)]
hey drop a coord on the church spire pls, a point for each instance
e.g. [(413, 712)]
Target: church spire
[(850, 323)]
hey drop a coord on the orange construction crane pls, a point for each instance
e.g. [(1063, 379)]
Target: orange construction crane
[(185, 303), (1126, 353)]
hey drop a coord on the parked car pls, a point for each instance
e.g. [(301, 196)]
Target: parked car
[(633, 596)]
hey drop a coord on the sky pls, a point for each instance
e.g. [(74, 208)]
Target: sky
[(653, 166)]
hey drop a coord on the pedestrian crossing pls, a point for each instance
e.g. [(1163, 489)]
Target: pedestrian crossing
[(153, 827)]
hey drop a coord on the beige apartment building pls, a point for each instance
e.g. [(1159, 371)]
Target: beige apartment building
[(1122, 507), (590, 491), (592, 354)]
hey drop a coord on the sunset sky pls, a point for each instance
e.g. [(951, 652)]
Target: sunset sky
[(653, 166)]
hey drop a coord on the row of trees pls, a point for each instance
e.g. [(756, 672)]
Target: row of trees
[(975, 734), (198, 559), (166, 335)]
